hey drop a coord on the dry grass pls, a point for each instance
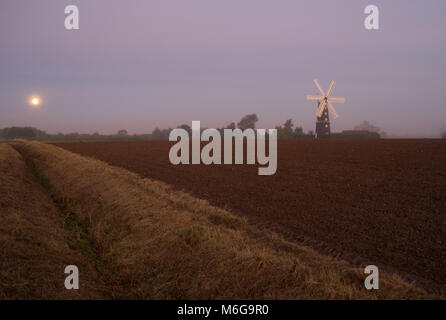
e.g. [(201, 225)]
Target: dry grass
[(33, 240), (156, 243)]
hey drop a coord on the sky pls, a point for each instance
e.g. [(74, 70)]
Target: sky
[(141, 64)]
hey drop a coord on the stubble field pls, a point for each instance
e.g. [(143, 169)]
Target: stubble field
[(380, 202)]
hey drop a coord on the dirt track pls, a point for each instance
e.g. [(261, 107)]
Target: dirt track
[(379, 202)]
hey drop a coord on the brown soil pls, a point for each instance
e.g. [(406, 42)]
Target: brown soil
[(152, 242), (379, 202)]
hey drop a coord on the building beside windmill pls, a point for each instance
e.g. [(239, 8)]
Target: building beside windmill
[(325, 102)]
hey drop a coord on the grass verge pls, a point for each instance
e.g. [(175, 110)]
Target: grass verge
[(33, 250)]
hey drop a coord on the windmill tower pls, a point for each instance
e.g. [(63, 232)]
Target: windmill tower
[(324, 103)]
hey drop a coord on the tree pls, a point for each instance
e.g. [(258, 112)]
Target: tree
[(158, 134), (248, 122), (285, 132), (231, 126), (280, 132), (367, 126), (123, 132), (298, 132), (29, 133), (288, 129), (187, 128), (443, 135)]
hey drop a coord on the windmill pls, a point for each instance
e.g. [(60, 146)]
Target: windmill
[(324, 103)]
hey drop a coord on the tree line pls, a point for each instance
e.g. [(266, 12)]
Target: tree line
[(248, 121), (284, 131)]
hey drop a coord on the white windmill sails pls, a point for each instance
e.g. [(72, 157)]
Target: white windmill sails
[(324, 100)]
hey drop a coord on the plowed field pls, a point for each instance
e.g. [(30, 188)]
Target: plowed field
[(380, 202)]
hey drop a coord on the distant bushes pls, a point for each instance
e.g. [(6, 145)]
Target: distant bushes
[(28, 133)]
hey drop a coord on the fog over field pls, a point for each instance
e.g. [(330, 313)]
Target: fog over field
[(138, 65)]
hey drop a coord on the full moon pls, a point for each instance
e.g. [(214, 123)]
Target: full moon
[(35, 101)]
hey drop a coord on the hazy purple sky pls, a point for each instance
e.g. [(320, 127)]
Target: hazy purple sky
[(140, 64)]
